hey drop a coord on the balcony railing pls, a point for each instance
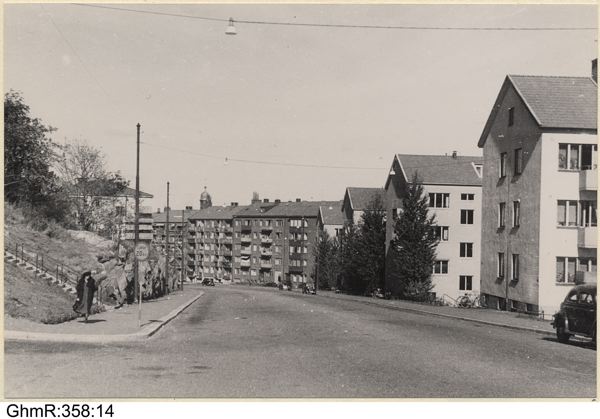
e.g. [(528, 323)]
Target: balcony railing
[(587, 237), (246, 251), (266, 240), (245, 263), (266, 265), (246, 239), (588, 180)]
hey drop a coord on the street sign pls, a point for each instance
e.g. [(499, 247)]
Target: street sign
[(142, 251)]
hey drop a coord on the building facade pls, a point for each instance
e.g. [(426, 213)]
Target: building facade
[(453, 187), (357, 201), (540, 192)]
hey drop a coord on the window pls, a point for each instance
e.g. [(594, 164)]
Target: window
[(467, 196), (518, 161), (500, 269), (439, 200), (576, 213), (501, 211), (577, 156), (440, 267), (514, 275), (277, 261), (441, 232), (511, 116), (466, 250), (565, 270), (502, 167), (465, 283), (516, 214), (466, 216)]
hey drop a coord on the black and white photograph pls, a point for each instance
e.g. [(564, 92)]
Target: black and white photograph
[(301, 202)]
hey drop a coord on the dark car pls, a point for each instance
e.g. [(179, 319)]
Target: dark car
[(577, 314)]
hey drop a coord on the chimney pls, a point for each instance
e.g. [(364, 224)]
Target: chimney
[(188, 208), (454, 154), (266, 201), (234, 204), (298, 200), (595, 69), (278, 201)]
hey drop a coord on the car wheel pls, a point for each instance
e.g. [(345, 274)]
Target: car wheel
[(563, 337)]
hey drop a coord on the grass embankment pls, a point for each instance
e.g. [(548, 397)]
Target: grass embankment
[(33, 298)]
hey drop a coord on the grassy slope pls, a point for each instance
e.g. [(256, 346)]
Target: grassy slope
[(32, 298)]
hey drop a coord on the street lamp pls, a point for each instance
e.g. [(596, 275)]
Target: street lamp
[(230, 30)]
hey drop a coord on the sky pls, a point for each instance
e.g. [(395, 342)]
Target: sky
[(283, 95)]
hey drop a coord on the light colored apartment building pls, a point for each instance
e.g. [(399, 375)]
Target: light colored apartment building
[(357, 201), (539, 192), (453, 186)]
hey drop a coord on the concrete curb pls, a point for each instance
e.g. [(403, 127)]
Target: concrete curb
[(144, 333), (448, 316)]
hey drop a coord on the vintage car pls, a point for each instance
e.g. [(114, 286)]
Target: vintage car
[(577, 314)]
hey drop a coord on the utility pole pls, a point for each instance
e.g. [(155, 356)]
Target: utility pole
[(166, 283), (136, 236)]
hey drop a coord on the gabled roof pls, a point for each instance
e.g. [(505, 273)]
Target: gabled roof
[(332, 214), (568, 103), (359, 199), (441, 170), (217, 213), (255, 210), (130, 193)]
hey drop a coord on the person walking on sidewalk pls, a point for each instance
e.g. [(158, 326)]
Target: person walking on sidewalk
[(86, 287)]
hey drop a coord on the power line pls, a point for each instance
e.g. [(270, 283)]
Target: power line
[(66, 41), (340, 26), (308, 165)]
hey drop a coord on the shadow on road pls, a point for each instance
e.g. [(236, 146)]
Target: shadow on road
[(574, 342), (92, 321)]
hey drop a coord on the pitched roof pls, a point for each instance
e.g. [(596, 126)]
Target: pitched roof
[(255, 210), (297, 209), (554, 102), (559, 102), (130, 192), (217, 213), (174, 216), (332, 214), (441, 170), (361, 198)]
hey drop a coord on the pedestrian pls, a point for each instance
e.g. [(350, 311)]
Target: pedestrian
[(86, 287)]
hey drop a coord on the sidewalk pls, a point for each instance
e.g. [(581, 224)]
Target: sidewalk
[(113, 325), (478, 315)]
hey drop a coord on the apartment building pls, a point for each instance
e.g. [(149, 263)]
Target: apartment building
[(540, 192), (453, 186), (210, 242), (178, 228), (331, 219)]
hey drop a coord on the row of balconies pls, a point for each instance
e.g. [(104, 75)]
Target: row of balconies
[(588, 180), (587, 237)]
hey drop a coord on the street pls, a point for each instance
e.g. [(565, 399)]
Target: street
[(263, 343)]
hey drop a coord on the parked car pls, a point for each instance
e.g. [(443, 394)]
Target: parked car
[(577, 314), (208, 282)]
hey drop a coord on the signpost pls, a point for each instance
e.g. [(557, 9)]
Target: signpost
[(141, 253)]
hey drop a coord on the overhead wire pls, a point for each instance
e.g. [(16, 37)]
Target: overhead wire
[(337, 25)]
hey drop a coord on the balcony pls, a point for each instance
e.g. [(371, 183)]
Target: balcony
[(587, 237), (582, 277), (266, 253), (226, 253), (267, 228), (246, 251), (226, 240), (245, 263), (246, 239), (588, 180), (266, 240), (266, 265)]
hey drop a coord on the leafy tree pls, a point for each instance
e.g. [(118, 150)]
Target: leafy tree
[(414, 245), (28, 157), (93, 190)]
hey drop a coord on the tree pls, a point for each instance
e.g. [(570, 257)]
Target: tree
[(414, 245), (327, 264), (93, 190), (371, 252), (350, 260), (28, 157)]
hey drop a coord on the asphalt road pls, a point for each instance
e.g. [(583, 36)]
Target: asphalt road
[(263, 343)]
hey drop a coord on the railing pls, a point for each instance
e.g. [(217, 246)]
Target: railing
[(42, 263)]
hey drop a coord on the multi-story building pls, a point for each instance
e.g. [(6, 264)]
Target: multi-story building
[(331, 219), (539, 192), (453, 186), (358, 200), (210, 242), (178, 226)]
